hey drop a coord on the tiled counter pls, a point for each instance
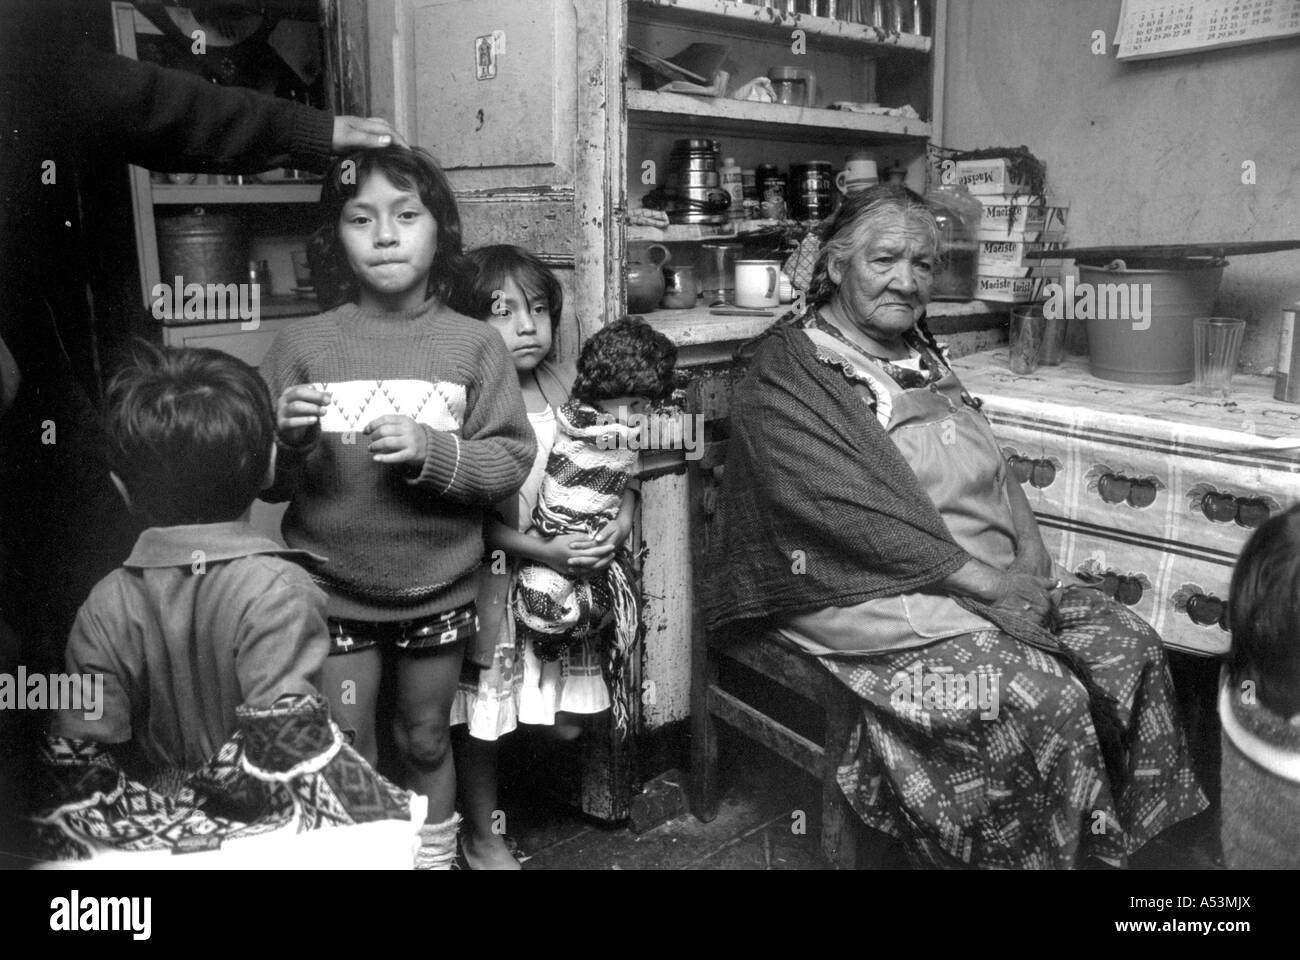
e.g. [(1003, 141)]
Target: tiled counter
[(1153, 490)]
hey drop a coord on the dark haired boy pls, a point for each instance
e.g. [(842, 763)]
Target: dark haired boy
[(206, 614)]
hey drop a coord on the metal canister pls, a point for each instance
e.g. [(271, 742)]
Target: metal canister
[(1286, 386), (693, 183), (202, 247), (812, 184)]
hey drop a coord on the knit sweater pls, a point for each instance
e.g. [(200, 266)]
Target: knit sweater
[(399, 544)]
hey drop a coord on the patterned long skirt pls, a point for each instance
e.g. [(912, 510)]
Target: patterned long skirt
[(980, 750)]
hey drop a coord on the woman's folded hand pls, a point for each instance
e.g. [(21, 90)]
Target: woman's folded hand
[(1025, 594)]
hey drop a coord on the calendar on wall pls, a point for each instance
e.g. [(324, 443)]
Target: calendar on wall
[(1162, 28)]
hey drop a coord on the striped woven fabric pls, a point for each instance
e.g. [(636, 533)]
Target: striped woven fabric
[(581, 492), (587, 471)]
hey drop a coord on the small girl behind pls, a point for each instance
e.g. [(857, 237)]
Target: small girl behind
[(1259, 703), (514, 292), (399, 424)]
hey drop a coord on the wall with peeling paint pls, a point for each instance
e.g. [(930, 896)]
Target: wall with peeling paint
[(1145, 152)]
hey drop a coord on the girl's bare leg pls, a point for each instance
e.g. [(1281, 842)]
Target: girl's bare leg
[(426, 683), (484, 839)]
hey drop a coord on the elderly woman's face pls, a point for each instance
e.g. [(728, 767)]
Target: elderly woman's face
[(883, 287)]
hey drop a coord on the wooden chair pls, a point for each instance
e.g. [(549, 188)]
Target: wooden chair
[(772, 658)]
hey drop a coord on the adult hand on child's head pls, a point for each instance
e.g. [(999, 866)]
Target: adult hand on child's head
[(398, 440), (363, 133), (576, 555), (299, 409)]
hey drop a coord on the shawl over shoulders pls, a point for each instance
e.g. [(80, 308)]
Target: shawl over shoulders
[(818, 508)]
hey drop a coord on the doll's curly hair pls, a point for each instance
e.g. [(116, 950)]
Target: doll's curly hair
[(628, 358)]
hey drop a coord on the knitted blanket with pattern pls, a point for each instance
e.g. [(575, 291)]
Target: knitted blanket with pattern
[(284, 773)]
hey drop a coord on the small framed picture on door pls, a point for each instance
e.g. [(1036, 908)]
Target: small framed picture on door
[(485, 57)]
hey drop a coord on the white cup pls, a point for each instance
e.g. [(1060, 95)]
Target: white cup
[(758, 283), (858, 174)]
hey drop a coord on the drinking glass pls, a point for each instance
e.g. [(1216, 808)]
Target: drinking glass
[(717, 263), (1217, 344), (1025, 340)]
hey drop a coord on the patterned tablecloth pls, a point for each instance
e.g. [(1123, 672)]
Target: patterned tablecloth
[(1151, 490)]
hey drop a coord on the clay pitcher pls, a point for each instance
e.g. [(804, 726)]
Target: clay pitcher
[(645, 276)]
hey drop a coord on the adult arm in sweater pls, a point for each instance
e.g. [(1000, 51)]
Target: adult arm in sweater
[(496, 454), (169, 120)]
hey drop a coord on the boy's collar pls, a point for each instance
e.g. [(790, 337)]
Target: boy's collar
[(186, 545)]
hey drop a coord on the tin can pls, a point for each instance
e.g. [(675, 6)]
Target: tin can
[(812, 183), (1286, 385)]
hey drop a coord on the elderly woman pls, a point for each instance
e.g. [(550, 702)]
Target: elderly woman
[(867, 515)]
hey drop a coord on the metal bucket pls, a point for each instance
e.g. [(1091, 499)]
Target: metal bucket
[(1175, 292), (202, 247)]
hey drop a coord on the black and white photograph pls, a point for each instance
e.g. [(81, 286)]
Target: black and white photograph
[(643, 435)]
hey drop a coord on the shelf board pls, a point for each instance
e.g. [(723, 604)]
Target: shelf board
[(693, 232), (687, 328), (769, 120), (766, 23), (697, 325), (200, 193)]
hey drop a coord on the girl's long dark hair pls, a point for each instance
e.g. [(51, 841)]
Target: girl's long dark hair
[(409, 168)]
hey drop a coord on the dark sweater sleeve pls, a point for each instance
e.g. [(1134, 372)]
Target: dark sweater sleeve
[(169, 120), (494, 458), (282, 367)]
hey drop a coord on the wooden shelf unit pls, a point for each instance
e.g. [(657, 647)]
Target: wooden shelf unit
[(774, 121), (202, 194), (746, 19)]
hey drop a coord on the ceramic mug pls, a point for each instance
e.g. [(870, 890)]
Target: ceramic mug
[(858, 174), (758, 283)]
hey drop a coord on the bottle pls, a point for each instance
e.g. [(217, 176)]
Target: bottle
[(1286, 386), (733, 182), (958, 214), (750, 181)]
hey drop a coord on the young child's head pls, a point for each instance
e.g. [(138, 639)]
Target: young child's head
[(391, 234), (517, 294), (1264, 613), (191, 435), (628, 358)]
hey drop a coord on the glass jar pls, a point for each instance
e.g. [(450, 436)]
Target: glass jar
[(958, 214)]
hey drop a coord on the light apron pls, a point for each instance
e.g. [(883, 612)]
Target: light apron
[(951, 449)]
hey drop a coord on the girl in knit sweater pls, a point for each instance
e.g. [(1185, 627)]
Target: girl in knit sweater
[(399, 423)]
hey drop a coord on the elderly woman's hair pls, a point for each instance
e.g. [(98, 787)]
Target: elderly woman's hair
[(860, 217)]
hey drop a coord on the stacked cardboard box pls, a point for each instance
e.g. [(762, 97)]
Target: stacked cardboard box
[(1014, 225)]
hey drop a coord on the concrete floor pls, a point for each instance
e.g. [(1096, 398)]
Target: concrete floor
[(764, 803)]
